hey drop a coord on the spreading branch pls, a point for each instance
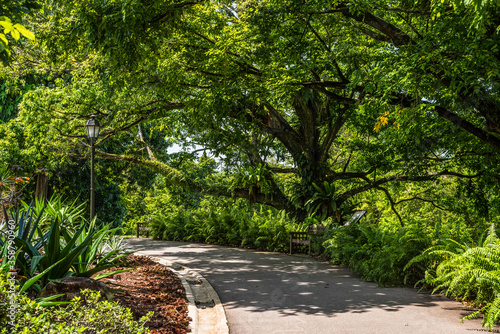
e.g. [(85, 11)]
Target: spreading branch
[(393, 204), (176, 177), (141, 137), (382, 181), (420, 199)]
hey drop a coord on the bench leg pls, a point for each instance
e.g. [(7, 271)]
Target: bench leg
[(291, 246)]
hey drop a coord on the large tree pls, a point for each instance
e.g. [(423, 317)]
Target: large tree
[(305, 88)]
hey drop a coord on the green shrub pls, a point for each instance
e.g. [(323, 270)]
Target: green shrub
[(469, 273), (264, 229), (92, 316), (157, 226), (378, 254)]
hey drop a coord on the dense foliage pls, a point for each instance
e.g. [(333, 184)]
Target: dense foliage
[(294, 97), (50, 246), (264, 229), (91, 316), (307, 110)]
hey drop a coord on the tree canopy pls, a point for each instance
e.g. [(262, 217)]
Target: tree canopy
[(308, 103), (11, 30)]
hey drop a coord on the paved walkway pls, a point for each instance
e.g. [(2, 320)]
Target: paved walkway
[(265, 292)]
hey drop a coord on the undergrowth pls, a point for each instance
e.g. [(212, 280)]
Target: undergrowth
[(467, 272), (263, 229)]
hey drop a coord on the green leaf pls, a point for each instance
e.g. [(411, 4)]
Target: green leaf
[(25, 32), (4, 39), (6, 25), (45, 302), (34, 263), (33, 280)]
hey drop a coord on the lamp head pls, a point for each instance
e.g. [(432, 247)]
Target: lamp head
[(92, 128)]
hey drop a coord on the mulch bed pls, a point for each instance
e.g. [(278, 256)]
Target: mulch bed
[(152, 287)]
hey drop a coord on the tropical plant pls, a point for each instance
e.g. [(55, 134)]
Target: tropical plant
[(28, 232), (113, 244), (323, 202), (467, 272), (378, 253), (89, 261), (56, 208), (11, 186), (238, 225), (59, 252), (17, 261), (91, 316), (255, 179)]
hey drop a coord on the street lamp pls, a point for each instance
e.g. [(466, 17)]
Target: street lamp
[(92, 133)]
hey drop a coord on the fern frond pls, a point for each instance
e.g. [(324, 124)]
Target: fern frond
[(492, 239), (492, 314)]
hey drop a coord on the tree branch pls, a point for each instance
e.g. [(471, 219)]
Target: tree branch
[(282, 170), (393, 205), (141, 137), (379, 182), (395, 35), (405, 101), (332, 134), (176, 177), (420, 199)]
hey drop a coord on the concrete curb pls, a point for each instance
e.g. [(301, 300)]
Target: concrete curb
[(205, 308)]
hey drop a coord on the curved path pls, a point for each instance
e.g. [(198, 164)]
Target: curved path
[(265, 292)]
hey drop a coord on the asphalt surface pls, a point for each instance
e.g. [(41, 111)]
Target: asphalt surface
[(265, 292)]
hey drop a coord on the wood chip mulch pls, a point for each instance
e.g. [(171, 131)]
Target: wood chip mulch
[(152, 287)]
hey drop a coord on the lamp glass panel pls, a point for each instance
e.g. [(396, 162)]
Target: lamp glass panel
[(92, 131)]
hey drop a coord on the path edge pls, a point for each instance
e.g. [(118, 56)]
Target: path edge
[(221, 325)]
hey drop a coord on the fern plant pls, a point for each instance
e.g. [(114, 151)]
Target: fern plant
[(468, 273), (377, 253), (255, 179)]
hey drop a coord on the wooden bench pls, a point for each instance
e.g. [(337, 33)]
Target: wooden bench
[(304, 238), (142, 227)]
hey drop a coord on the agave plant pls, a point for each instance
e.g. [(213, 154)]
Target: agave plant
[(57, 209), (28, 231), (58, 253), (90, 261), (53, 254)]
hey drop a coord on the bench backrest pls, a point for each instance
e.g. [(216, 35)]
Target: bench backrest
[(316, 229)]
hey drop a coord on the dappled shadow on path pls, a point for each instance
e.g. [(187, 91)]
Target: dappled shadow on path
[(289, 285)]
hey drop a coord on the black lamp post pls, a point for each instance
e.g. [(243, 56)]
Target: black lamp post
[(92, 133)]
